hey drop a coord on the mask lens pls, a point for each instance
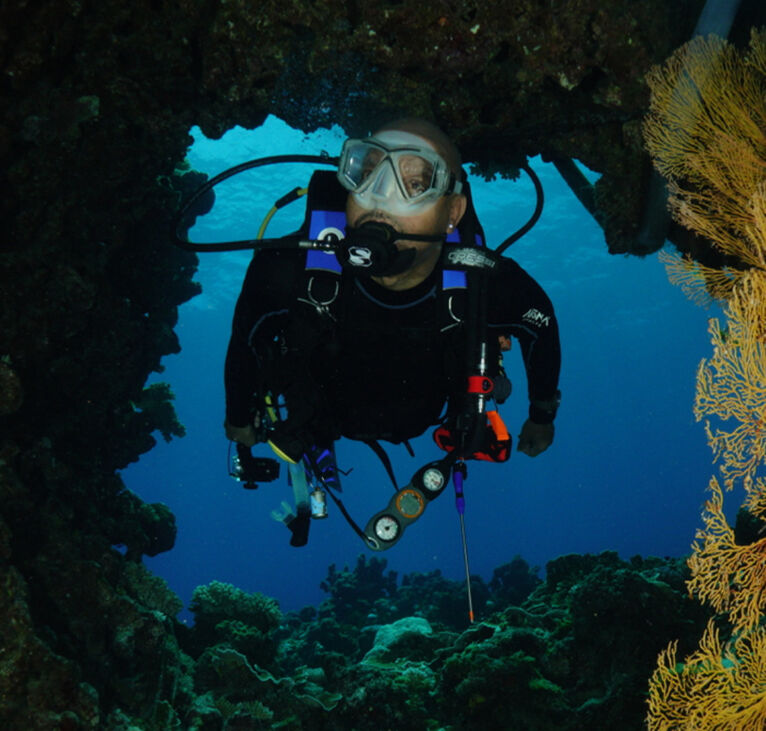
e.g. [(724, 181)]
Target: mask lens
[(358, 161), (400, 176), (417, 175)]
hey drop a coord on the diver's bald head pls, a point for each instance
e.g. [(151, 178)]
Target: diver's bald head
[(429, 131)]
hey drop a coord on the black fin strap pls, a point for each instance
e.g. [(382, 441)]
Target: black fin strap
[(346, 515), (383, 457), (407, 444), (299, 528)]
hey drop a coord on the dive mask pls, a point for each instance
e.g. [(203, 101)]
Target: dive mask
[(397, 172)]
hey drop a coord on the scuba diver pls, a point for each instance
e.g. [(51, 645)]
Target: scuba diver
[(378, 342)]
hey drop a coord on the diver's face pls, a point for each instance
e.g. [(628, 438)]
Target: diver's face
[(399, 175)]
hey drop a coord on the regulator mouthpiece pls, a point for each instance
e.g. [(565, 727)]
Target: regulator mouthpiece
[(370, 249)]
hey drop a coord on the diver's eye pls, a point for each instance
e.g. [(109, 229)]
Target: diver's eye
[(416, 173), (416, 187)]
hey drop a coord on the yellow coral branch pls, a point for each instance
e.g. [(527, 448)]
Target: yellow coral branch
[(732, 384), (757, 54), (704, 92), (706, 132), (715, 689), (755, 502), (701, 284), (732, 578)]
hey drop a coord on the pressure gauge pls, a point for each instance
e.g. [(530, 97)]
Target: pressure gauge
[(386, 528), (433, 479)]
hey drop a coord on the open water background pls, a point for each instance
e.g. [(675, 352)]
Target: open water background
[(628, 469)]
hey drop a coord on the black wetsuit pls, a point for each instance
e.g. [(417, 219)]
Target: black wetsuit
[(383, 365)]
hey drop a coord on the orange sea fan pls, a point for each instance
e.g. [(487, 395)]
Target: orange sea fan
[(732, 578), (706, 92), (755, 502), (715, 689), (703, 285), (706, 132), (731, 385)]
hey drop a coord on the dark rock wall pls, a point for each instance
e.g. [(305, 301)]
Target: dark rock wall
[(96, 102)]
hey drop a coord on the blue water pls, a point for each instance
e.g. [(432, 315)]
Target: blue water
[(628, 468)]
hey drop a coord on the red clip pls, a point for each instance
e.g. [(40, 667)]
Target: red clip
[(480, 384)]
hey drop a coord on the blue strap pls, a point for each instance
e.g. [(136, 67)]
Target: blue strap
[(322, 220), (324, 261), (453, 237), (453, 279), (321, 223)]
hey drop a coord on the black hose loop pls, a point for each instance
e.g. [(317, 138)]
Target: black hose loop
[(183, 242), (534, 217)]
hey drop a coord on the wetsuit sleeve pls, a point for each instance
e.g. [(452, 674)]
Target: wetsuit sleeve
[(519, 307), (266, 290)]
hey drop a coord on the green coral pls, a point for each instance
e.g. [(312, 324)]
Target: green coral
[(226, 615), (323, 642), (158, 528), (253, 709), (411, 637), (354, 594), (150, 590), (255, 644), (227, 672), (369, 594), (497, 671), (155, 406), (407, 692), (217, 602), (440, 600), (513, 582)]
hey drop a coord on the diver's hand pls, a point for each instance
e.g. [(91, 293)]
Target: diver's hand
[(242, 434), (535, 438)]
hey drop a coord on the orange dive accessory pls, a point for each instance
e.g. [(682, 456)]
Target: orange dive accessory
[(495, 442)]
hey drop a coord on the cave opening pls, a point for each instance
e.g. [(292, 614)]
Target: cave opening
[(630, 341), (99, 100)]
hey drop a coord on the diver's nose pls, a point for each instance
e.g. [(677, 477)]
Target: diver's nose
[(385, 183)]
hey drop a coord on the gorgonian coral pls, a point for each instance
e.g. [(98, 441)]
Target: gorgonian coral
[(731, 385), (716, 688), (707, 134)]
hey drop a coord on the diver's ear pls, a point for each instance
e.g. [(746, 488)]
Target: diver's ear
[(457, 206)]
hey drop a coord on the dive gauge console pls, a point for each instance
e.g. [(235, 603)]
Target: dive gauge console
[(387, 526)]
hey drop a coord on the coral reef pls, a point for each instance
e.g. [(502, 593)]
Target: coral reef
[(353, 593), (706, 134), (226, 615), (514, 581), (572, 654)]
